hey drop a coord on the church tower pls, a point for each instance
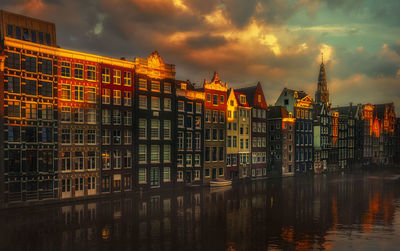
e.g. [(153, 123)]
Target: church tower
[(322, 94)]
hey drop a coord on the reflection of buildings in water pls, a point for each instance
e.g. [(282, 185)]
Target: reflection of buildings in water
[(293, 213)]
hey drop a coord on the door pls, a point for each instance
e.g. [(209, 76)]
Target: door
[(154, 176)]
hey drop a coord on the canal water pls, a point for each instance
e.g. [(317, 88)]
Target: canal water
[(326, 212)]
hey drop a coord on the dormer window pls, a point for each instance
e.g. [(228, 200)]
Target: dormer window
[(242, 99)]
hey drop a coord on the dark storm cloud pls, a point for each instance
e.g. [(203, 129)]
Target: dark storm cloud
[(206, 41)]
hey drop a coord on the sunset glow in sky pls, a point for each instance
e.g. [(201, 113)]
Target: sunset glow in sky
[(276, 42)]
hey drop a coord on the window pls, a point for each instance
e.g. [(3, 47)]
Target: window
[(106, 137), (167, 129), (91, 183), (78, 161), (117, 160), (142, 129), (91, 94), (142, 154), (222, 117), (65, 161), (13, 60), (31, 110), (179, 160), (167, 174), (105, 184), (128, 159), (91, 72), (215, 99), (155, 86), (197, 160), (214, 154), (79, 115), (221, 134), (117, 137), (106, 160), (105, 75), (142, 102), (78, 71), (167, 87), (127, 118), (13, 85), (66, 136), (116, 97), (155, 103), (91, 134), (106, 117), (79, 93), (198, 108), (128, 98), (91, 116), (222, 99), (13, 134), (215, 134), (117, 77), (215, 116), (142, 84), (207, 155), (65, 114), (105, 96), (234, 141), (46, 89), (47, 66), (181, 121), (65, 92), (167, 154), (180, 176), (208, 116), (30, 64), (180, 141), (117, 117), (155, 129), (189, 141), (198, 122), (127, 137), (30, 87), (142, 176), (78, 137), (181, 106), (197, 140), (66, 69), (189, 122), (167, 104), (188, 160), (127, 78), (14, 109)]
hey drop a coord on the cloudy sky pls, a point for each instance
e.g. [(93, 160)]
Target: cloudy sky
[(276, 42)]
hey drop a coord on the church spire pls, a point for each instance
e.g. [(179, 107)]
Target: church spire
[(322, 94)]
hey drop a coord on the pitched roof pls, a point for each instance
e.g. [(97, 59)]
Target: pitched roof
[(275, 112), (237, 95), (249, 92)]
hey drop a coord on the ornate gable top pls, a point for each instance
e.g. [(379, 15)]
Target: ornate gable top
[(215, 84)]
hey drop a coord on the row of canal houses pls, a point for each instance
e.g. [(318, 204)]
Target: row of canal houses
[(77, 125)]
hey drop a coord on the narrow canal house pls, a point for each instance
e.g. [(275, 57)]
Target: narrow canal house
[(238, 141), (215, 128), (347, 135), (397, 141), (190, 128), (79, 127), (116, 126), (154, 123), (386, 115), (256, 99), (28, 107), (280, 142), (366, 126), (300, 105)]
